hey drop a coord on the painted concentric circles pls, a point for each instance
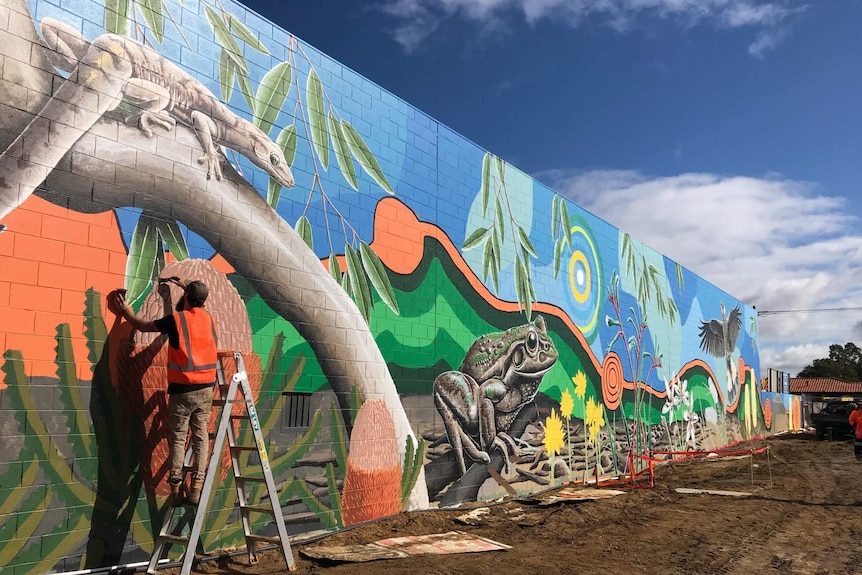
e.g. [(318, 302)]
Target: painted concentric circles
[(584, 274), (579, 276), (767, 413), (612, 380)]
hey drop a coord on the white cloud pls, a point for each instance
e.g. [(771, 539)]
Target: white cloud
[(417, 22), (793, 358), (418, 19), (772, 242), (766, 40)]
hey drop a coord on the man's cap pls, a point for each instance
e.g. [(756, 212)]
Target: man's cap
[(196, 293)]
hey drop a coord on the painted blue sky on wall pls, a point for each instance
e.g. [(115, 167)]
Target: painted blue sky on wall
[(722, 133)]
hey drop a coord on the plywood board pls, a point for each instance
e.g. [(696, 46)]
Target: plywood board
[(400, 547)]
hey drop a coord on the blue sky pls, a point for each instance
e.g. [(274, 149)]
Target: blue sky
[(727, 134)]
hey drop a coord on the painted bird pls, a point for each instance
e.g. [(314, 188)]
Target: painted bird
[(718, 338)]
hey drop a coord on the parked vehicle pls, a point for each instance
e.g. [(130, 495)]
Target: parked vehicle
[(832, 421)]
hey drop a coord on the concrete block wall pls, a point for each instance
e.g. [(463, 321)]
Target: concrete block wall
[(406, 275)]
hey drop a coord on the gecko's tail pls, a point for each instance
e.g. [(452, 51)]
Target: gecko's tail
[(27, 161), (65, 118)]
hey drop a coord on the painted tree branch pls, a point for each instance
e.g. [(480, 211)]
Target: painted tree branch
[(114, 165)]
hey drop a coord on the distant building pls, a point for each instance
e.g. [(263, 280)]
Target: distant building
[(776, 381), (816, 392)]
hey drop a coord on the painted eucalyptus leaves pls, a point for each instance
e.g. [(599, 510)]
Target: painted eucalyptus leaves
[(147, 252), (346, 141), (646, 277), (322, 127), (561, 230), (121, 14), (364, 270), (492, 236), (313, 117)]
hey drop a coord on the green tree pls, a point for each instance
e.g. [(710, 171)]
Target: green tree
[(844, 362)]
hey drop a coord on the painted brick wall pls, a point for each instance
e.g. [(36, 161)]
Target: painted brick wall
[(404, 276)]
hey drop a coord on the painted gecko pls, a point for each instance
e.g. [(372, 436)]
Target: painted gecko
[(113, 69)]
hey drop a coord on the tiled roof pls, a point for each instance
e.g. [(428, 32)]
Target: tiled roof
[(823, 385)]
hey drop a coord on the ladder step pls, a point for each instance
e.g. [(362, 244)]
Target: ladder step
[(263, 538), (244, 417), (258, 508), (180, 539), (252, 479), (222, 402), (244, 447)]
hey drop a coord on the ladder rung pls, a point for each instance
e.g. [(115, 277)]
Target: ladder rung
[(264, 538), (252, 479), (258, 509), (224, 354), (235, 417), (244, 447), (222, 402), (181, 539)]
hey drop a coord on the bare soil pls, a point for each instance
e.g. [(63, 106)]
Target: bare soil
[(803, 518)]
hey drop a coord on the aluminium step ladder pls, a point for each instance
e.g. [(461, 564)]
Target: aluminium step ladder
[(229, 396)]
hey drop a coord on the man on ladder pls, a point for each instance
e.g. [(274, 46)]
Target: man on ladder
[(192, 363)]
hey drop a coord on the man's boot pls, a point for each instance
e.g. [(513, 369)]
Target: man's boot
[(195, 493), (176, 492)]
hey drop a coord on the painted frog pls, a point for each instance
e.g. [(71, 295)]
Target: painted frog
[(500, 374)]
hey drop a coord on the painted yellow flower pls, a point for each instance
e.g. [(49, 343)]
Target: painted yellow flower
[(567, 404), (595, 418), (554, 441), (580, 381)]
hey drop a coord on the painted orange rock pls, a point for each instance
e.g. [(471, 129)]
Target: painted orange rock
[(138, 362)]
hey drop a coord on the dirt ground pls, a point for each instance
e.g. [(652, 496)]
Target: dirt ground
[(803, 518)]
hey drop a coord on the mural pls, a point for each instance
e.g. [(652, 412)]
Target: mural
[(477, 416), (423, 324)]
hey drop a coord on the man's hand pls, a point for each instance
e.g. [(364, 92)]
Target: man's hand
[(117, 301), (174, 280), (117, 305)]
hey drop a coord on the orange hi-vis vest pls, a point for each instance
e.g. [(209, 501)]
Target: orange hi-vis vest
[(856, 419), (196, 359)]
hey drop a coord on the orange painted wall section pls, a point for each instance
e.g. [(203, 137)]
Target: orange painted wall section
[(47, 263)]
